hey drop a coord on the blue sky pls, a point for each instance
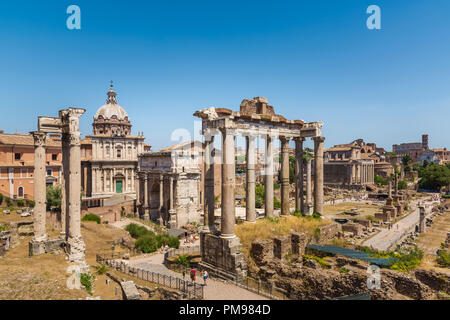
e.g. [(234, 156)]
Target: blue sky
[(314, 60)]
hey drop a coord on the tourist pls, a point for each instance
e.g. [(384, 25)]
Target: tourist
[(185, 237), (205, 276), (184, 274), (193, 271)]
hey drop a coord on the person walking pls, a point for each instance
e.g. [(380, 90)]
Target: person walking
[(205, 276), (184, 275), (185, 237), (193, 271)]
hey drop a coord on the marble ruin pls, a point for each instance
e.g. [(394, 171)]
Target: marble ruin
[(220, 249), (169, 187), (67, 124)]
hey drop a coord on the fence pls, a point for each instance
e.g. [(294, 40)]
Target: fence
[(191, 291)]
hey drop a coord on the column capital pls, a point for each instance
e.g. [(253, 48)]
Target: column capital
[(285, 139), (39, 138), (229, 131), (74, 138), (299, 139), (319, 139)]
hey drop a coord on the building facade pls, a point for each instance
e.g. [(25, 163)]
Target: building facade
[(110, 154), (17, 164)]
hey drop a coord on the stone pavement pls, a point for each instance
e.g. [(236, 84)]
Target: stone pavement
[(386, 238), (215, 289)]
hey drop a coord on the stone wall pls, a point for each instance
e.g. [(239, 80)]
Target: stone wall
[(4, 242), (110, 214), (222, 257)]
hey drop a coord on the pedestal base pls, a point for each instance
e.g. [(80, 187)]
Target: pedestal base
[(47, 246), (221, 257), (76, 249)]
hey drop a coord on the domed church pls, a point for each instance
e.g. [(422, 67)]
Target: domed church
[(109, 157)]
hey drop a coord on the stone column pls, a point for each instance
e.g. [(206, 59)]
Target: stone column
[(146, 202), (284, 176), (75, 241), (299, 203), (208, 187), (161, 199), (421, 219), (250, 175), (268, 182), (64, 186), (309, 205), (39, 216), (318, 174), (228, 179), (172, 212)]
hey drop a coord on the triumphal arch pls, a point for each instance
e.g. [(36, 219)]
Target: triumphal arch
[(220, 248)]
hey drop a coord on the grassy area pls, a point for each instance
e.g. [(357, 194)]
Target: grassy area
[(401, 261), (269, 228), (44, 277)]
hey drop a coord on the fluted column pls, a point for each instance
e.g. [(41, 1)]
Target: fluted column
[(284, 176), (208, 194), (299, 203), (228, 179), (40, 232), (268, 182), (318, 174), (250, 176)]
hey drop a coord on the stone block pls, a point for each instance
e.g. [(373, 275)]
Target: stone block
[(299, 241), (130, 291), (261, 251), (280, 247)]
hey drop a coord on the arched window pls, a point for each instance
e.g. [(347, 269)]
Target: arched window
[(20, 192)]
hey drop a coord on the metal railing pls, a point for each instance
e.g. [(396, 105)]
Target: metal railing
[(192, 291)]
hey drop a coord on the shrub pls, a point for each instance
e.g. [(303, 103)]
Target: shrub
[(276, 203), (407, 261), (87, 280), (297, 213), (184, 260), (146, 244), (344, 270), (54, 197), (30, 203), (137, 230), (91, 217), (402, 185), (20, 203), (3, 227), (174, 242), (8, 202), (321, 261), (1, 198), (380, 181), (444, 258), (102, 269)]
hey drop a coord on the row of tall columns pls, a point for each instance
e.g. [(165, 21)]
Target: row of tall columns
[(228, 180)]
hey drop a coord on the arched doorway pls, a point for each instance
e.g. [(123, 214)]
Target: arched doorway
[(154, 201)]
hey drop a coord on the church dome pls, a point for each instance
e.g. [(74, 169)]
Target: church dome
[(111, 119), (108, 110)]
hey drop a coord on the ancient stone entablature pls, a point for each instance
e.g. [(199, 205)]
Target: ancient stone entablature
[(255, 118)]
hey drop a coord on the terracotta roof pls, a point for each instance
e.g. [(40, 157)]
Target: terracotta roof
[(339, 149), (24, 139)]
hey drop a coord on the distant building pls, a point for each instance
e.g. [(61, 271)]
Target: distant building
[(413, 149), (110, 155), (17, 164), (349, 165)]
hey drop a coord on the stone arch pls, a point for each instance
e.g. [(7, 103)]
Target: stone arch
[(154, 199)]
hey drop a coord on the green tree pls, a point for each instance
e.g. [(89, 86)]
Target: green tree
[(54, 197), (434, 177), (380, 181), (406, 159)]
